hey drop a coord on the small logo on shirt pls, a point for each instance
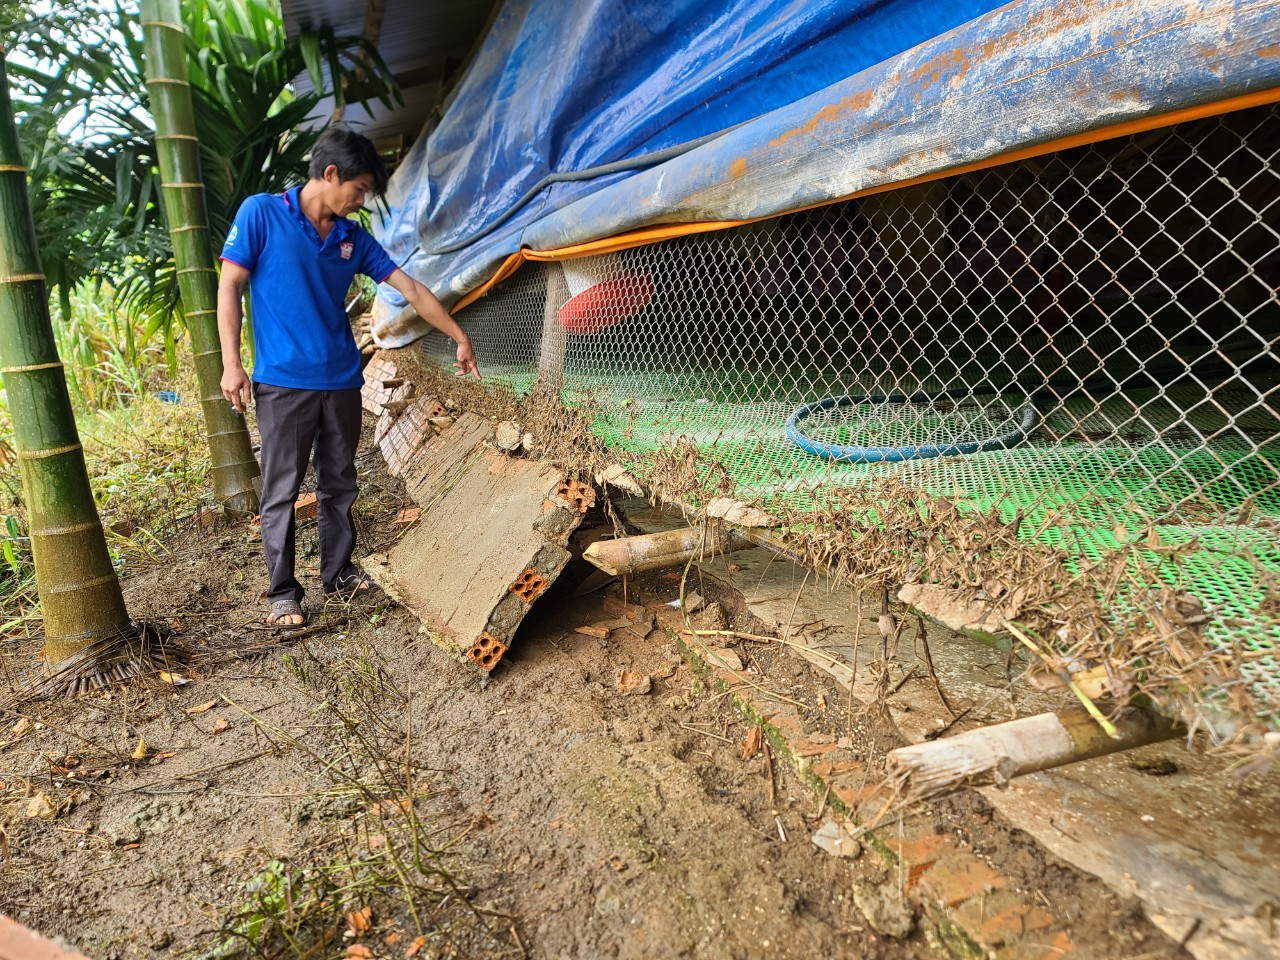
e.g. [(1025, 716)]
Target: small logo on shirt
[(231, 237), (347, 249)]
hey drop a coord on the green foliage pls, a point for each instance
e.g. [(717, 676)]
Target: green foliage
[(112, 354), (88, 135)]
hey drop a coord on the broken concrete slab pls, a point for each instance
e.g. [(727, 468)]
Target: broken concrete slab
[(490, 539), (401, 435)]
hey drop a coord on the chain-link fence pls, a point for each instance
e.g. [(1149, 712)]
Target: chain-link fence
[(1085, 346)]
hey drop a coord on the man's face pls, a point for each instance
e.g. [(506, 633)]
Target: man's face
[(347, 196)]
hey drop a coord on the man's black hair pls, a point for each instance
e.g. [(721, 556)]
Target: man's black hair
[(353, 155)]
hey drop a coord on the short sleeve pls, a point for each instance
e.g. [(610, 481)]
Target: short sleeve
[(247, 235), (375, 262)]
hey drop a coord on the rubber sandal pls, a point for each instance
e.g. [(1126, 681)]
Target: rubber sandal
[(285, 608), (348, 585)]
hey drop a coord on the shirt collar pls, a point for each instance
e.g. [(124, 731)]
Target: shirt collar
[(341, 225)]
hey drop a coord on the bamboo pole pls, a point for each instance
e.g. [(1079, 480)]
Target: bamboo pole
[(84, 610), (182, 194), (655, 551), (997, 754)]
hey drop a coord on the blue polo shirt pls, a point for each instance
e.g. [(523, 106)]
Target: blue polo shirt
[(297, 291)]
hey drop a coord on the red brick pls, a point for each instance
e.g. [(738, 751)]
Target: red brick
[(305, 507), (1012, 923), (954, 880), (600, 633), (925, 849)]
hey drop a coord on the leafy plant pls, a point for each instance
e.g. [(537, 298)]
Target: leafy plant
[(88, 136)]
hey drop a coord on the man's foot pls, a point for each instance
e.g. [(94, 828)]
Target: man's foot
[(350, 584), (286, 613)]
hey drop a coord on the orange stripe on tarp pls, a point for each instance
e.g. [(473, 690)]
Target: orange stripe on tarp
[(669, 231)]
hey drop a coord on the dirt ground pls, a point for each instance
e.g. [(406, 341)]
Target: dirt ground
[(295, 779)]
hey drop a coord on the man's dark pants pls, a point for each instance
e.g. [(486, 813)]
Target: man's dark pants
[(291, 423)]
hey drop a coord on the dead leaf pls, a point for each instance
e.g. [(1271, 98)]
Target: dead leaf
[(164, 756), (39, 807), (202, 707), (418, 944), (377, 841), (360, 920), (221, 725), (176, 679), (131, 846), (358, 951), (21, 727), (140, 751), (751, 746)]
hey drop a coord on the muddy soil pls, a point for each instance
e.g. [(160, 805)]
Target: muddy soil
[(295, 779)]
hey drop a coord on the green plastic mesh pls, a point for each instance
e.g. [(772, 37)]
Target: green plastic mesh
[(1128, 288)]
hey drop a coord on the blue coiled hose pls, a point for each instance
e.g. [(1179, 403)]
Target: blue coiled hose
[(855, 454)]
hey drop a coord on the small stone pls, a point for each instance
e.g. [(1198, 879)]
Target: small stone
[(832, 838), (122, 833), (712, 617), (39, 807), (693, 603), (634, 684), (726, 658)]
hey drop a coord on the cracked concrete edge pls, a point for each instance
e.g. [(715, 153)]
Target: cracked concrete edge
[(378, 567), (946, 879)]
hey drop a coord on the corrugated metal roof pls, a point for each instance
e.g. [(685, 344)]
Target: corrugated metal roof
[(415, 34)]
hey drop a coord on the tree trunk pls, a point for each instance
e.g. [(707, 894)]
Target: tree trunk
[(182, 193), (85, 620)]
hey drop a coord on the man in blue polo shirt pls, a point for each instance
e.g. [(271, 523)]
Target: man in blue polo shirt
[(297, 252)]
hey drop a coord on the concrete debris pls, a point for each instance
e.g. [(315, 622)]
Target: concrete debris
[(833, 838), (634, 684), (492, 533), (509, 436), (885, 909), (616, 475), (739, 513)]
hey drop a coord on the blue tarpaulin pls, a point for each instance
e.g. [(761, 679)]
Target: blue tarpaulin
[(568, 86), (784, 104)]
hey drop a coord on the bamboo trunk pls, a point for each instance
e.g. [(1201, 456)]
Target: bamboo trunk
[(655, 551), (83, 608), (182, 194), (997, 754)]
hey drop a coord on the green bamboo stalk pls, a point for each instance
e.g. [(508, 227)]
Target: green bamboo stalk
[(85, 619), (182, 196)]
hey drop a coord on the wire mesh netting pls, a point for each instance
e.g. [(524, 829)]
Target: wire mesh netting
[(1083, 345)]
